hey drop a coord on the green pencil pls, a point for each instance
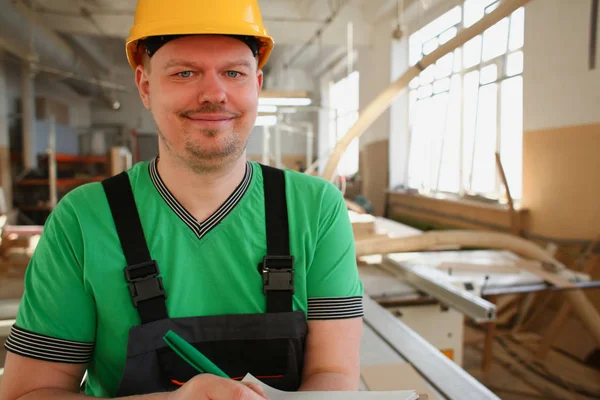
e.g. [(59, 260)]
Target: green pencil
[(192, 356)]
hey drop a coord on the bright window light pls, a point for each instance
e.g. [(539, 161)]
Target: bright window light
[(266, 120), (284, 101), (267, 109)]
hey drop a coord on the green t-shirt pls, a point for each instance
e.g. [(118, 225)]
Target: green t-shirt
[(77, 308)]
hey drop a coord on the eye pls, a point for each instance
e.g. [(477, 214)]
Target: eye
[(233, 74), (184, 74)]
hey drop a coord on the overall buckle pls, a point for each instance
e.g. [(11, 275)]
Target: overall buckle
[(278, 273), (144, 282)]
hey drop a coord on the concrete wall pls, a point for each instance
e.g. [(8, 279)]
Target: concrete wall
[(50, 87), (561, 121), (559, 89), (132, 114)]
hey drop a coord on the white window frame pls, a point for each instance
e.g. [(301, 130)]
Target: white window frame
[(501, 63)]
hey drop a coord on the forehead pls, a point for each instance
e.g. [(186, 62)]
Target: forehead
[(204, 48)]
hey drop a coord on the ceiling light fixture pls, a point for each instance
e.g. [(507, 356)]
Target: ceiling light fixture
[(267, 108), (266, 120), (284, 101)]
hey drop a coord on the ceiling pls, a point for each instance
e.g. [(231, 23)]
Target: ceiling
[(95, 30), (292, 23)]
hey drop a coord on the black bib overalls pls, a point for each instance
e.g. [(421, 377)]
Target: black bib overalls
[(268, 345)]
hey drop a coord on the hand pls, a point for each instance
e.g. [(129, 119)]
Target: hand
[(211, 387)]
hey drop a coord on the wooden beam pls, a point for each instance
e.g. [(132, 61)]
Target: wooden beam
[(486, 362), (514, 222), (559, 319), (385, 98), (426, 241)]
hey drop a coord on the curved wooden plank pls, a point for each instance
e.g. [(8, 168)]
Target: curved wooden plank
[(383, 101)]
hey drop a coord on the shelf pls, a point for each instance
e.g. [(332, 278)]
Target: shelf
[(67, 158), (61, 182), (35, 208), (70, 158)]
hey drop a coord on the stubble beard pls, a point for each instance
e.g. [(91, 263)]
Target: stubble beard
[(202, 160)]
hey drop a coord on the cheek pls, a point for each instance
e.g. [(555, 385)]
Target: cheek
[(169, 97)]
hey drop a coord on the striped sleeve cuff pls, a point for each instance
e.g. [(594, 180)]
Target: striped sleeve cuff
[(335, 307), (41, 347)]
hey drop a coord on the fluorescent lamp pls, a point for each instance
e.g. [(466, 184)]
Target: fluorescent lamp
[(266, 120), (267, 109), (284, 101)]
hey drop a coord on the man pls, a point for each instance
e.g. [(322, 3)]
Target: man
[(254, 266)]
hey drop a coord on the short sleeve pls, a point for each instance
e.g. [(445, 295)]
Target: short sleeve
[(333, 284), (56, 320)]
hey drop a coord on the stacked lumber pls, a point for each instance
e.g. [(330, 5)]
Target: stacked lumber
[(17, 244)]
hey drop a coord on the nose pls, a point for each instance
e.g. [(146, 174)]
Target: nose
[(212, 89)]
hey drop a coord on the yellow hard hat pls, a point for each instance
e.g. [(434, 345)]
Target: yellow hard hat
[(189, 17)]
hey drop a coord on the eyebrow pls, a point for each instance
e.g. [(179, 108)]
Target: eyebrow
[(228, 64)]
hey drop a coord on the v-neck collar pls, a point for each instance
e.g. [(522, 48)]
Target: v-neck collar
[(200, 228)]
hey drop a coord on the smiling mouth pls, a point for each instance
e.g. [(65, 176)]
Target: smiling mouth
[(210, 117)]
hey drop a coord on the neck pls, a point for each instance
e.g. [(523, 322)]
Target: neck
[(200, 193)]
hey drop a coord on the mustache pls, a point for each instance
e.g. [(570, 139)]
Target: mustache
[(209, 109)]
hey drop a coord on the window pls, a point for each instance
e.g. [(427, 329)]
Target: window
[(343, 98), (467, 106)]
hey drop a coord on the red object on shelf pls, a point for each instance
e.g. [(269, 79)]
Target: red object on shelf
[(61, 182), (68, 158)]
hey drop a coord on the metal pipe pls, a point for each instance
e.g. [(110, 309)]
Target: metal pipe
[(277, 146), (28, 107), (316, 36), (266, 140), (350, 46), (51, 151), (309, 144)]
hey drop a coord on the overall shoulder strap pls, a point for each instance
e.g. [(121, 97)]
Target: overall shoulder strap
[(145, 286), (277, 267)]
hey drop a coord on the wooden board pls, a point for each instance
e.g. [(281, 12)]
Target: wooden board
[(390, 377), (474, 267), (536, 269)]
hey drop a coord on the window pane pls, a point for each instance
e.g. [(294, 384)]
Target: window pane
[(414, 83), (484, 163), (437, 127), (344, 98), (495, 40), (444, 66), (489, 74), (457, 60), (474, 10), (517, 29), (514, 63), (414, 48), (470, 96), (446, 36), (419, 164), (449, 167), (428, 75), (425, 91), (441, 24), (472, 52), (430, 46), (492, 7), (511, 133), (443, 85)]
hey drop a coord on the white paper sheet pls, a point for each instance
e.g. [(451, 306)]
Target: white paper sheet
[(275, 394)]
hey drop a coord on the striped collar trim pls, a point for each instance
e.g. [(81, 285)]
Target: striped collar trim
[(201, 228)]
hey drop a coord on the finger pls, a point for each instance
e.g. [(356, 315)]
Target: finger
[(256, 387)]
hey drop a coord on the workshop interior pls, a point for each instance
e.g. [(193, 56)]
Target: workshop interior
[(464, 136)]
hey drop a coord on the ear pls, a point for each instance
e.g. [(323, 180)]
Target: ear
[(143, 84), (259, 77)]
